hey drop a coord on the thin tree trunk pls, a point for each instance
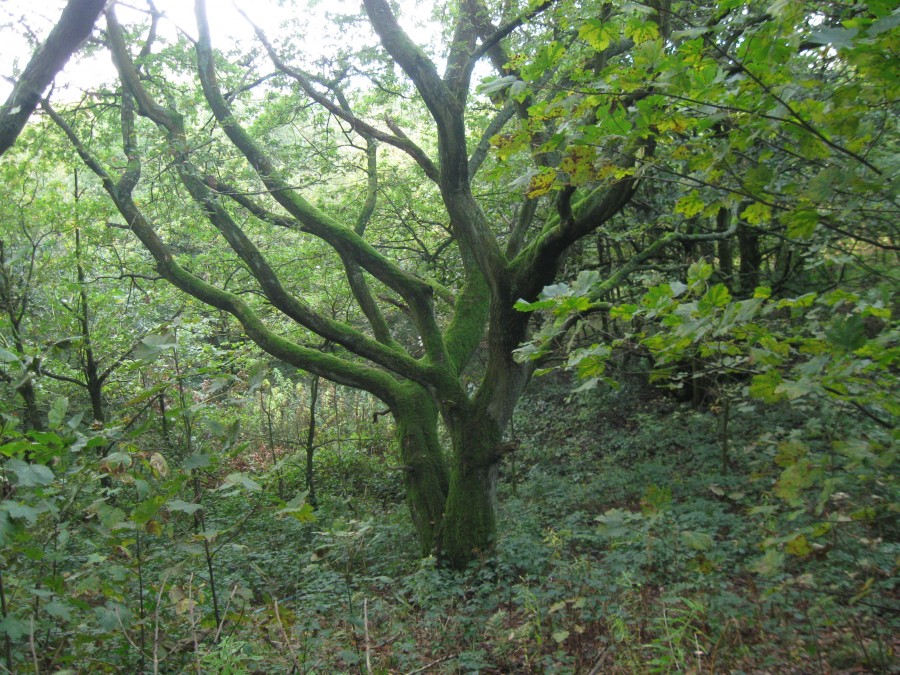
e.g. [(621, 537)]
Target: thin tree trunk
[(310, 442)]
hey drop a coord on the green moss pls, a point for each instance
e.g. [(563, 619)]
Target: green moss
[(469, 319), (469, 519), (426, 479)]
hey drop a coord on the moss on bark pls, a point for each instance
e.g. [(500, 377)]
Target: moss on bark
[(416, 417), (469, 521)]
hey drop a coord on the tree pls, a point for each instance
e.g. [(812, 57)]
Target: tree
[(73, 28), (585, 99)]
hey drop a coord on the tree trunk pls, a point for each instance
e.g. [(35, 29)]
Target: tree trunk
[(425, 471), (470, 515), (751, 259), (31, 413), (310, 443)]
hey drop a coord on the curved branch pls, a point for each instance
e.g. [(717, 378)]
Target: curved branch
[(361, 127), (334, 368), (344, 240), (73, 28)]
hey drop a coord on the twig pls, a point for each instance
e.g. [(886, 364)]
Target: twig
[(162, 587), (366, 629), (287, 640), (33, 650), (194, 625), (433, 663), (225, 614)]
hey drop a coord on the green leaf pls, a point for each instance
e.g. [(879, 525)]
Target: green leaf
[(239, 478), (836, 37), (795, 389), (299, 509), (146, 509), (769, 564), (677, 288), (585, 281), (493, 85), (847, 332), (801, 223), (699, 541), (560, 636), (765, 385), (624, 312), (30, 475), (57, 412), (13, 628), (716, 296), (196, 461), (757, 214), (19, 510), (690, 205), (183, 507), (597, 34), (59, 610), (153, 345), (798, 546), (523, 306), (617, 522), (794, 480), (641, 30), (7, 356)]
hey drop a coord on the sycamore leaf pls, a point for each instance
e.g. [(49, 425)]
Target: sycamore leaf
[(624, 312), (641, 30), (238, 478), (801, 222), (496, 84), (183, 507), (716, 296), (146, 509), (769, 564), (757, 214), (13, 628), (847, 332), (196, 461), (153, 345), (794, 479), (836, 37), (30, 475), (57, 412), (17, 510), (597, 34), (159, 464), (690, 205)]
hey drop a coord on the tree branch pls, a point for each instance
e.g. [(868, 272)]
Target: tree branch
[(73, 28), (360, 126)]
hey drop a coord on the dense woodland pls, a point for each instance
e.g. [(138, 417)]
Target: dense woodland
[(500, 336)]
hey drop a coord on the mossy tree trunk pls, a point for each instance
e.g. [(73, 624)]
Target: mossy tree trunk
[(469, 521), (422, 458)]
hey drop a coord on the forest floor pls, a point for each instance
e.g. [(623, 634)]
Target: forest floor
[(628, 543)]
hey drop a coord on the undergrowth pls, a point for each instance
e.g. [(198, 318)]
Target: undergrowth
[(626, 547)]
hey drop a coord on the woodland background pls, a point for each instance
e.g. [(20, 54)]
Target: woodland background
[(563, 341)]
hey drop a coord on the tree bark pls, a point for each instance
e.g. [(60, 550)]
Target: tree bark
[(469, 521), (751, 259), (422, 458)]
